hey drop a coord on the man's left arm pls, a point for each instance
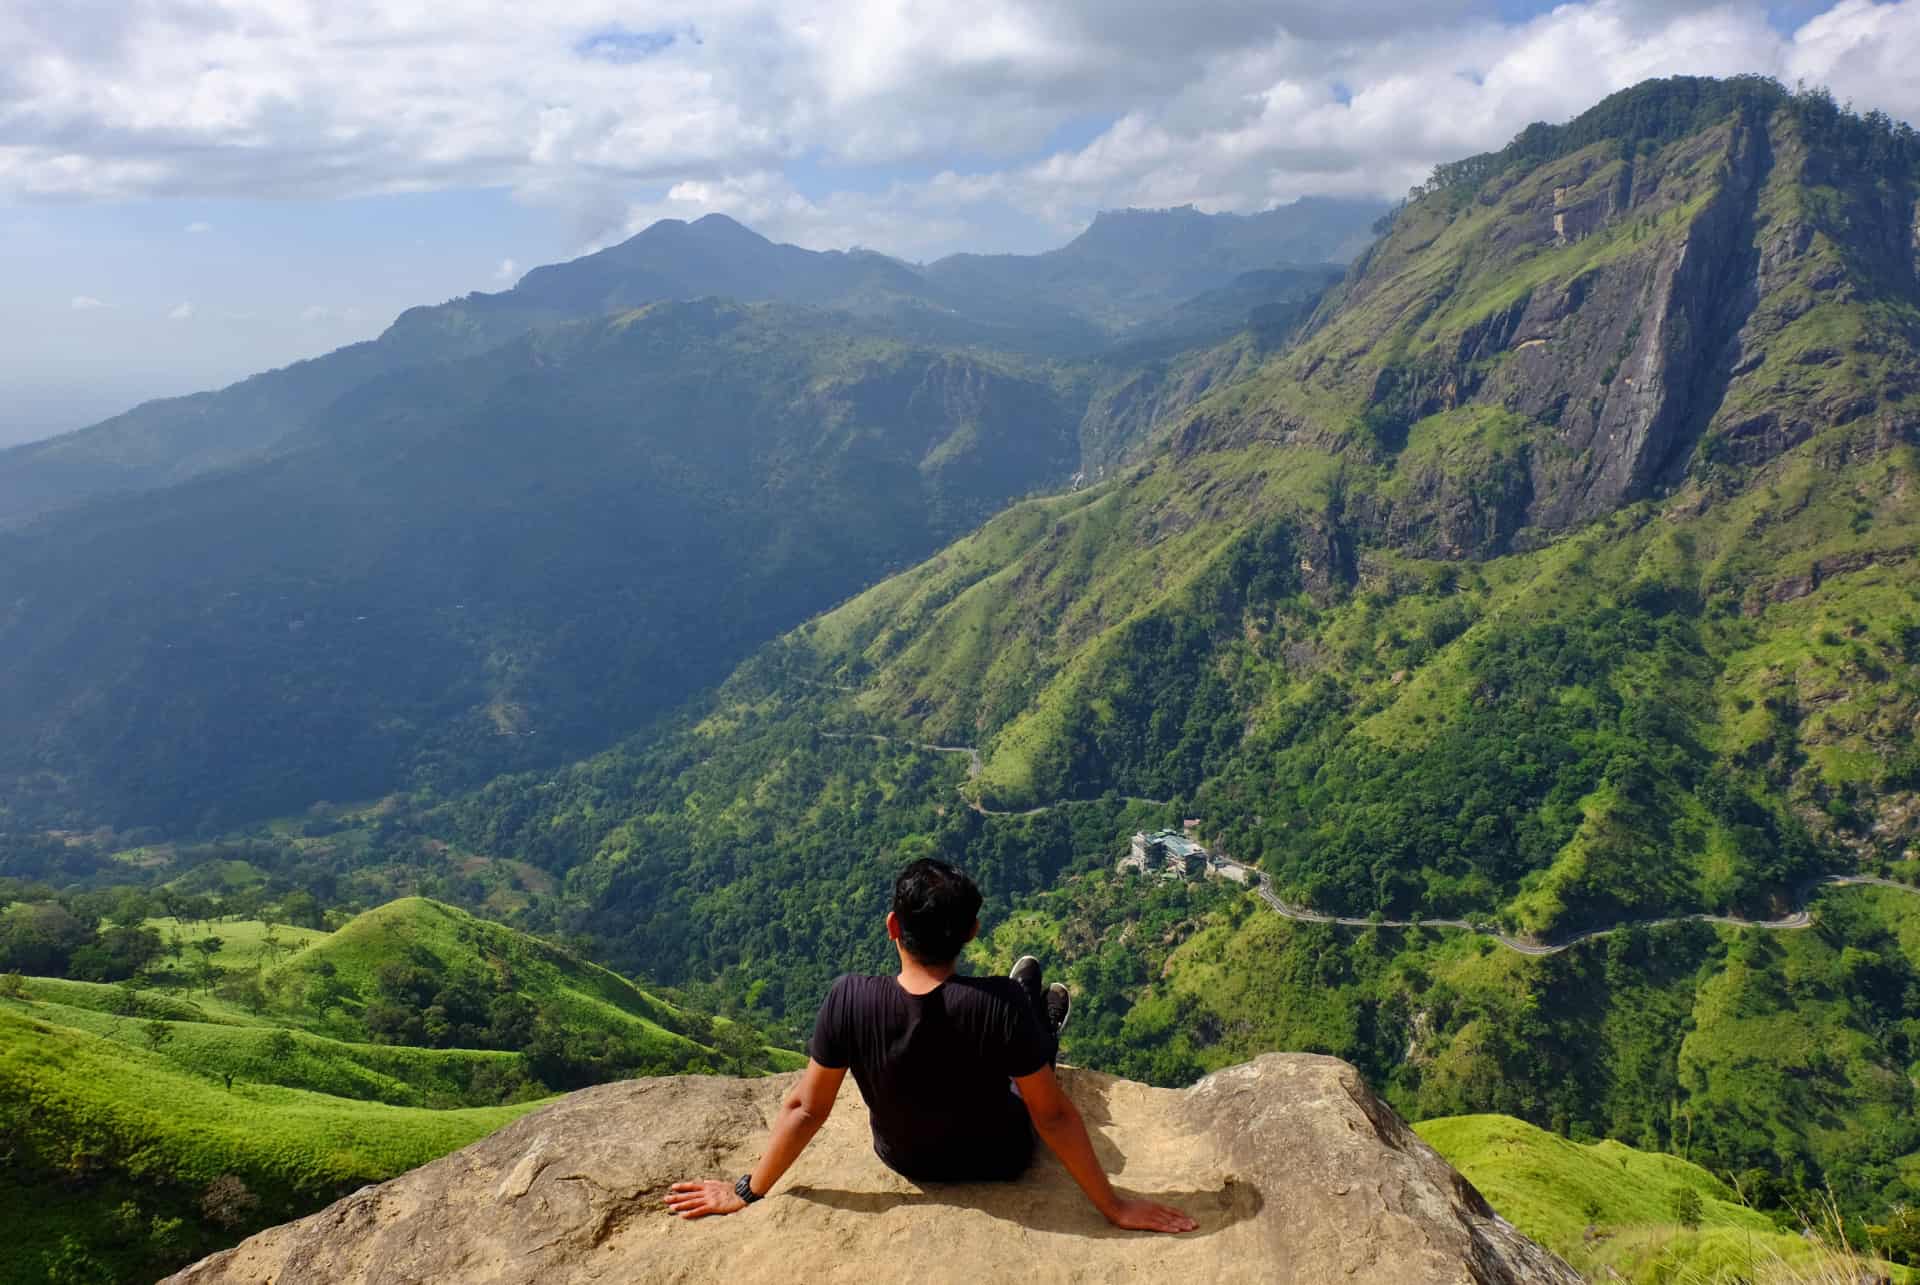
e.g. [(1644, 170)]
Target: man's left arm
[(802, 1113)]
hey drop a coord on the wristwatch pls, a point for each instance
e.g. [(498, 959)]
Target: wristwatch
[(744, 1189)]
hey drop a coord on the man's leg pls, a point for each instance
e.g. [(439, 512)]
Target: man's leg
[(1027, 973)]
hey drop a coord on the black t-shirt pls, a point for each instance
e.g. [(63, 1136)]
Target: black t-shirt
[(934, 1070)]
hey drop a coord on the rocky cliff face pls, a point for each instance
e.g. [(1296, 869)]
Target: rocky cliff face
[(1614, 320), (1295, 1171)]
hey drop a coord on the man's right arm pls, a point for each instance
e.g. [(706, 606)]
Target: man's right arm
[(1059, 1125)]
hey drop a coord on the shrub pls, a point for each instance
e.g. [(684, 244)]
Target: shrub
[(1687, 1207), (69, 1263), (227, 1201)]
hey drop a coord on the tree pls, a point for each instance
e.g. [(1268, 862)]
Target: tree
[(69, 1263), (280, 1046), (244, 989), (1687, 1207), (13, 986), (127, 1222), (159, 1034), (302, 909), (41, 939), (206, 970), (168, 1238)]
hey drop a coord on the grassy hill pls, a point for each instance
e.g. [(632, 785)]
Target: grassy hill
[(444, 941), (98, 1120), (1611, 1210), (126, 1105)]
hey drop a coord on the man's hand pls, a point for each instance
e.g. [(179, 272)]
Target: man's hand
[(1148, 1215), (698, 1199)]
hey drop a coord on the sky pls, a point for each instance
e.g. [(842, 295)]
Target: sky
[(195, 190)]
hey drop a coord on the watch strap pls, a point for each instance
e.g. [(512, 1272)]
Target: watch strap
[(744, 1189)]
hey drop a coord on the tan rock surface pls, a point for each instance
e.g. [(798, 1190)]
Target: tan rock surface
[(1295, 1171)]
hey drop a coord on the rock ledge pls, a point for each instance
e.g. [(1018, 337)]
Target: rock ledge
[(1294, 1169)]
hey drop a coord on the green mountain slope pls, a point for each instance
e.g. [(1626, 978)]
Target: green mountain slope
[(336, 1060), (495, 562), (1400, 567), (1611, 1210), (471, 566)]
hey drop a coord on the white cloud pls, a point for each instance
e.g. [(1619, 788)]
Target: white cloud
[(913, 125), (87, 303), (507, 271), (181, 312), (198, 226)]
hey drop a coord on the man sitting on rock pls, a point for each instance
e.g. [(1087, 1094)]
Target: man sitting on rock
[(933, 1053)]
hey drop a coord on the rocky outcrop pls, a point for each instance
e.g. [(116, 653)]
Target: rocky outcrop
[(1294, 1170)]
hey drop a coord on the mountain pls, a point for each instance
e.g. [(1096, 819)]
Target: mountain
[(1131, 265), (1630, 420), (503, 560), (1558, 580), (164, 442), (171, 440)]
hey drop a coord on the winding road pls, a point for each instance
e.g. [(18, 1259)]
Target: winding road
[(1801, 918), (1262, 884)]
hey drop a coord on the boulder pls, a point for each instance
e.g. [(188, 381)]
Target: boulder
[(1295, 1171)]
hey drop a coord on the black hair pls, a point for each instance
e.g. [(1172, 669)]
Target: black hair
[(937, 906)]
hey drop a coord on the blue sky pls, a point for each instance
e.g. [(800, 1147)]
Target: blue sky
[(194, 190)]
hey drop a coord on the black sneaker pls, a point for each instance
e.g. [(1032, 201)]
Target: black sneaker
[(1059, 1004), (1026, 971)]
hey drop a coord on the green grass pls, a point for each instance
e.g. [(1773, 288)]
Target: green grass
[(122, 1122), (260, 1052), (148, 1094), (1609, 1208), (1552, 1189), (244, 943), (165, 1122)]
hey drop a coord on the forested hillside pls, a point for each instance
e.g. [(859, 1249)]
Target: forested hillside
[(469, 566)]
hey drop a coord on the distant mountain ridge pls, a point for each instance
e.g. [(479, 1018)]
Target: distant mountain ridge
[(168, 441)]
